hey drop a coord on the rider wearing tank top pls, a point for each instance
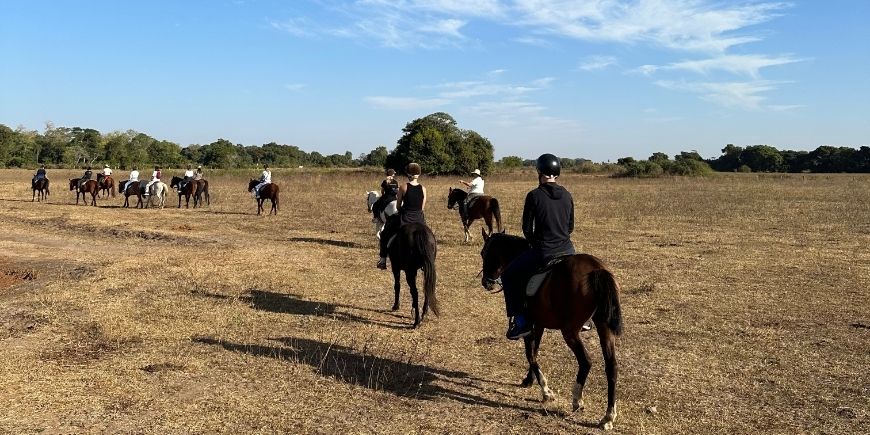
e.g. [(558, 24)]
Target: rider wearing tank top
[(411, 201)]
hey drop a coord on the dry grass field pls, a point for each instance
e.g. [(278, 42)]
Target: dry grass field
[(745, 299)]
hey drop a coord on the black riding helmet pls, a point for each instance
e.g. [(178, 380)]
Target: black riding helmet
[(549, 165)]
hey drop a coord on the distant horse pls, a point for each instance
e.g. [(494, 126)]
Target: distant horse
[(156, 193), (412, 249), (189, 189), (202, 192), (381, 219), (89, 186), (131, 188), (107, 184), (484, 206), (269, 191), (40, 186), (576, 289)]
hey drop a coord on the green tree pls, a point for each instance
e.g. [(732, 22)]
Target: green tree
[(440, 147), (762, 158), (377, 157), (511, 162)]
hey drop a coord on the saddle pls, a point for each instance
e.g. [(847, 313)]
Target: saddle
[(469, 203), (541, 275)]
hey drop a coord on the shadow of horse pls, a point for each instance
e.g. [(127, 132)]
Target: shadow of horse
[(283, 303), (339, 243), (402, 378)]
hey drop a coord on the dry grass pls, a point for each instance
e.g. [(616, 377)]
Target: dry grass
[(745, 300)]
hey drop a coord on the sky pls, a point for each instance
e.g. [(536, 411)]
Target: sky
[(598, 79)]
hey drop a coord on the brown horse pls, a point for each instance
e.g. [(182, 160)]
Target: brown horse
[(89, 186), (190, 189), (269, 191), (107, 185), (412, 249), (485, 207), (202, 192), (132, 188), (40, 186), (576, 289)]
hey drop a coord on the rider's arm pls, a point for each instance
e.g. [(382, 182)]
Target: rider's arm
[(424, 198), (399, 196), (465, 183), (571, 217), (529, 218)]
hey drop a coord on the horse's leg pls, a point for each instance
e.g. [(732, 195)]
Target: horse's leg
[(397, 283), (411, 277), (608, 348), (487, 218), (572, 339), (534, 367), (179, 200)]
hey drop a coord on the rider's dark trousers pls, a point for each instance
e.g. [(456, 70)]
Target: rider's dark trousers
[(515, 278)]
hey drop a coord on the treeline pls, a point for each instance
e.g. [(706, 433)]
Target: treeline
[(755, 158), (434, 141)]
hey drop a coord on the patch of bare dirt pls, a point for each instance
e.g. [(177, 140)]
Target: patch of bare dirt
[(89, 343)]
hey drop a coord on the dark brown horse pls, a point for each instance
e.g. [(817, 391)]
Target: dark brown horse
[(107, 185), (132, 188), (269, 191), (40, 186), (202, 192), (412, 249), (485, 207), (89, 186), (577, 289), (190, 189)]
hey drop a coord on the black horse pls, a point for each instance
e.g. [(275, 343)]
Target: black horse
[(412, 249), (40, 187)]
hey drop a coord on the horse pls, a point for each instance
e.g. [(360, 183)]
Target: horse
[(189, 189), (484, 206), (412, 249), (89, 186), (40, 186), (577, 288), (107, 184), (131, 188), (202, 189), (269, 191), (157, 191), (381, 219)]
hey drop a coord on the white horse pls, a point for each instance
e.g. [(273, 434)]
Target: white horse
[(388, 211), (157, 193)]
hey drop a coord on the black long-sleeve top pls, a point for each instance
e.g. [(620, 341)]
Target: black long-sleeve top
[(548, 219)]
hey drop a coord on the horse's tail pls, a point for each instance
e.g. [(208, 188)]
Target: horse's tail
[(496, 213), (606, 292), (427, 249)]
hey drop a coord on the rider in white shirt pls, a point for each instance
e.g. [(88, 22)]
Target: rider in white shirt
[(155, 177), (475, 189), (107, 171), (188, 176), (265, 178), (134, 176)]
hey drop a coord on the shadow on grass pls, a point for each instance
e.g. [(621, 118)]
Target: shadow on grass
[(293, 304), (345, 364), (330, 242)]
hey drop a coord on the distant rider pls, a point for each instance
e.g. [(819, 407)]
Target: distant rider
[(40, 175), (85, 177), (188, 176), (198, 174), (475, 189), (134, 176), (389, 190), (155, 177), (265, 178), (411, 201)]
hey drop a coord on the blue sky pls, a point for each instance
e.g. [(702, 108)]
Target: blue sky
[(596, 79)]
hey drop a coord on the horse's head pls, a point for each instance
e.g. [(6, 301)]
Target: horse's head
[(498, 251), (252, 184), (175, 181), (454, 196), (371, 198), (73, 183)]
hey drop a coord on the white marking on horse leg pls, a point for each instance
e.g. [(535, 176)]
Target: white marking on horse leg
[(609, 418), (577, 397), (545, 390)]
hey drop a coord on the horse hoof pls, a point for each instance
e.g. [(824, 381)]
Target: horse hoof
[(548, 397), (576, 407), (607, 425), (526, 383), (395, 308)]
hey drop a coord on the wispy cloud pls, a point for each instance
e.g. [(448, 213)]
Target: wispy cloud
[(745, 95), (406, 103), (296, 26), (293, 87), (595, 63), (741, 64)]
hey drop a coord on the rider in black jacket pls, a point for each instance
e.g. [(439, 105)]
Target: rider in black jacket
[(548, 221)]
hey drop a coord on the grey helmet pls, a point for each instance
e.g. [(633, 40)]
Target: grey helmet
[(549, 165)]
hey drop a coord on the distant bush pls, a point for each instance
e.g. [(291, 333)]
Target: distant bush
[(744, 168), (648, 169)]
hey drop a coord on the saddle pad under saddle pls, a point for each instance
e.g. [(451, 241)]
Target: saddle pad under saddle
[(537, 279)]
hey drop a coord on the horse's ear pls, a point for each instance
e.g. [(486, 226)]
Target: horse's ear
[(450, 190), (485, 235)]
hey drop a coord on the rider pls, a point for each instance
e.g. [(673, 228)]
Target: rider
[(155, 177), (410, 201), (265, 178), (389, 190), (39, 175), (475, 189), (85, 177), (107, 171), (188, 175), (548, 221), (134, 176), (198, 174)]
